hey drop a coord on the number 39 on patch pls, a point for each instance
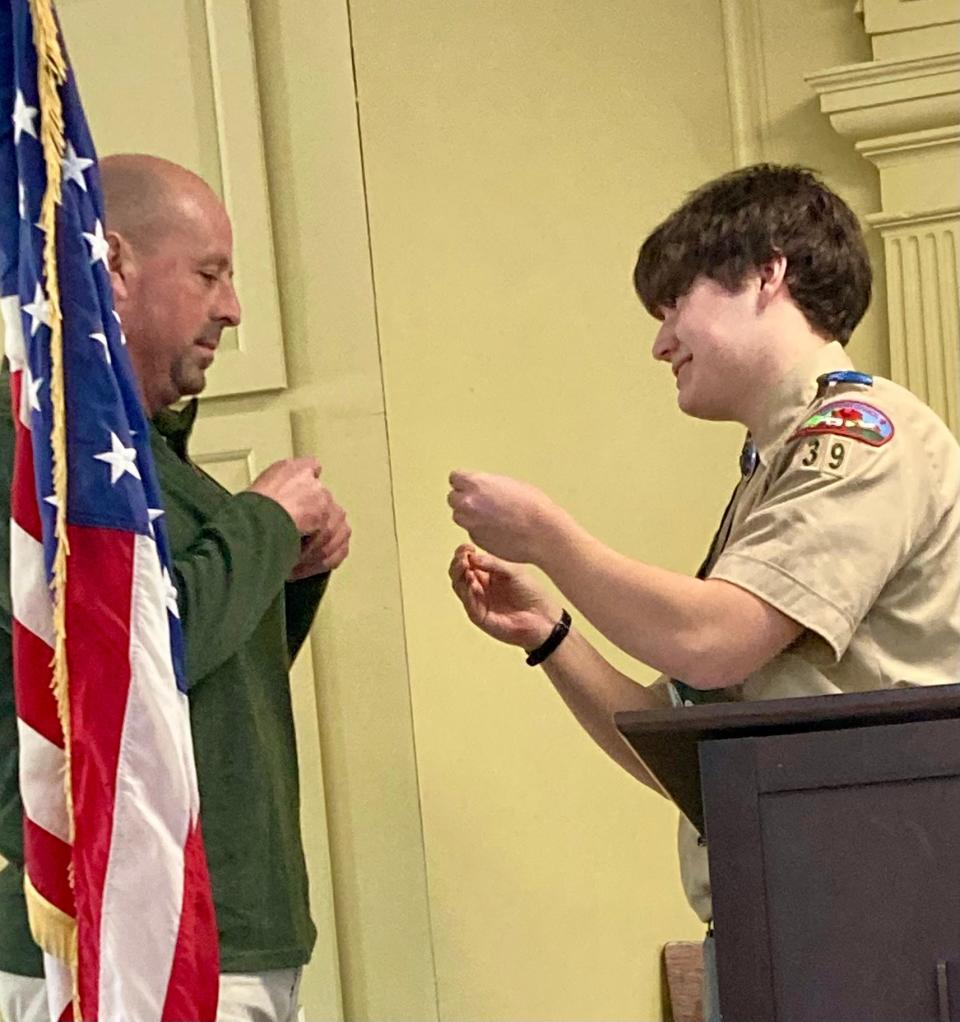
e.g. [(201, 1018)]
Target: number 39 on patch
[(824, 453)]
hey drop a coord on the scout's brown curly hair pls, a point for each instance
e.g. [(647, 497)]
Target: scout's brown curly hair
[(736, 223)]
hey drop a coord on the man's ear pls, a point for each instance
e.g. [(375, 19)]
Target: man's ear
[(120, 263), (773, 277)]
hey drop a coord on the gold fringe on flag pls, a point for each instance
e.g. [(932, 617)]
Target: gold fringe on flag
[(54, 931)]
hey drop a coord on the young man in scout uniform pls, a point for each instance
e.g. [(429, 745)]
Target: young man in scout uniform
[(250, 570), (836, 566)]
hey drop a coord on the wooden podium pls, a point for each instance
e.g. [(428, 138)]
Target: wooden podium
[(833, 826)]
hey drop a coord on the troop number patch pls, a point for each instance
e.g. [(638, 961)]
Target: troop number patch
[(854, 419)]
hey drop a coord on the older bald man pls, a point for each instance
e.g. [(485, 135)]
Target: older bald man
[(250, 572)]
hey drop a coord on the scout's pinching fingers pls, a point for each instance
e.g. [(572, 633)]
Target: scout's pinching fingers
[(509, 518)]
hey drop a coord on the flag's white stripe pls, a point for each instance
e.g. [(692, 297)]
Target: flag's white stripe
[(23, 412), (143, 888), (29, 592), (16, 351), (13, 332), (42, 781), (59, 985)]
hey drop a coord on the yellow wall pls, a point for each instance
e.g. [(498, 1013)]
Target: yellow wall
[(515, 155)]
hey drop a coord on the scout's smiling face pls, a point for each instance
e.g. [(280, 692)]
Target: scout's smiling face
[(710, 337)]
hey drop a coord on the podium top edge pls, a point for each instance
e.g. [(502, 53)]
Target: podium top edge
[(853, 709)]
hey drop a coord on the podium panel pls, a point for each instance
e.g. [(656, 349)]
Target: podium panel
[(833, 861)]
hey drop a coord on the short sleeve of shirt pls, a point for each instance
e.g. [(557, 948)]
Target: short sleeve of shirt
[(837, 520)]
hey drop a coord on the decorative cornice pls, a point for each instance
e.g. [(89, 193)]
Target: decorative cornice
[(910, 141), (927, 216), (882, 72), (884, 98), (892, 16)]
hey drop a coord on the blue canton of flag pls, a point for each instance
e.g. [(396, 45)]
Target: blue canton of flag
[(112, 481)]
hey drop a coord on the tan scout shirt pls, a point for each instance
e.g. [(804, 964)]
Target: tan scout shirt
[(858, 543)]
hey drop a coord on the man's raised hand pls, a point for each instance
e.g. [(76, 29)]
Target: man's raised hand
[(295, 485)]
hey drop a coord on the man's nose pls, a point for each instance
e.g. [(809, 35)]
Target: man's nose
[(228, 305)]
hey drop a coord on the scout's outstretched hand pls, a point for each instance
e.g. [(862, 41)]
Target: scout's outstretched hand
[(502, 599), (506, 517)]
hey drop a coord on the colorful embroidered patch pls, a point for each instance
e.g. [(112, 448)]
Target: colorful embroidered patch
[(848, 418)]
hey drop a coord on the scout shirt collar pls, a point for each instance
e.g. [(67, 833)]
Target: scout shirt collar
[(176, 425), (793, 395)]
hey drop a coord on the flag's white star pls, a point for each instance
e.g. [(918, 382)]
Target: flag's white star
[(101, 339), (153, 513), (22, 200), (23, 117), (123, 336), (120, 459), (99, 246), (52, 501), (38, 310), (170, 594), (74, 166), (34, 386)]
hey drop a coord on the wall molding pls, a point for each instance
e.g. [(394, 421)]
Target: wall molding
[(746, 79), (257, 363), (932, 216), (887, 16), (208, 120), (923, 267), (890, 97), (877, 149)]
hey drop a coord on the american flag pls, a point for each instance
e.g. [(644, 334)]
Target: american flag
[(117, 880)]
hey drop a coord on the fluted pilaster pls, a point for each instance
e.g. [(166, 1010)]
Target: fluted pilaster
[(902, 112), (923, 281)]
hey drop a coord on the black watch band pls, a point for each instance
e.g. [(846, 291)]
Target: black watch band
[(559, 633)]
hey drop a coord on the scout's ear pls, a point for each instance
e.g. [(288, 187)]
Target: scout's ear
[(773, 278)]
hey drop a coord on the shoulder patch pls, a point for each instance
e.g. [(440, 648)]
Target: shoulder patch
[(854, 419)]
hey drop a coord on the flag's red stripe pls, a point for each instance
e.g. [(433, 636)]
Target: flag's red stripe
[(36, 704), (98, 661), (16, 389), (47, 859), (193, 989)]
